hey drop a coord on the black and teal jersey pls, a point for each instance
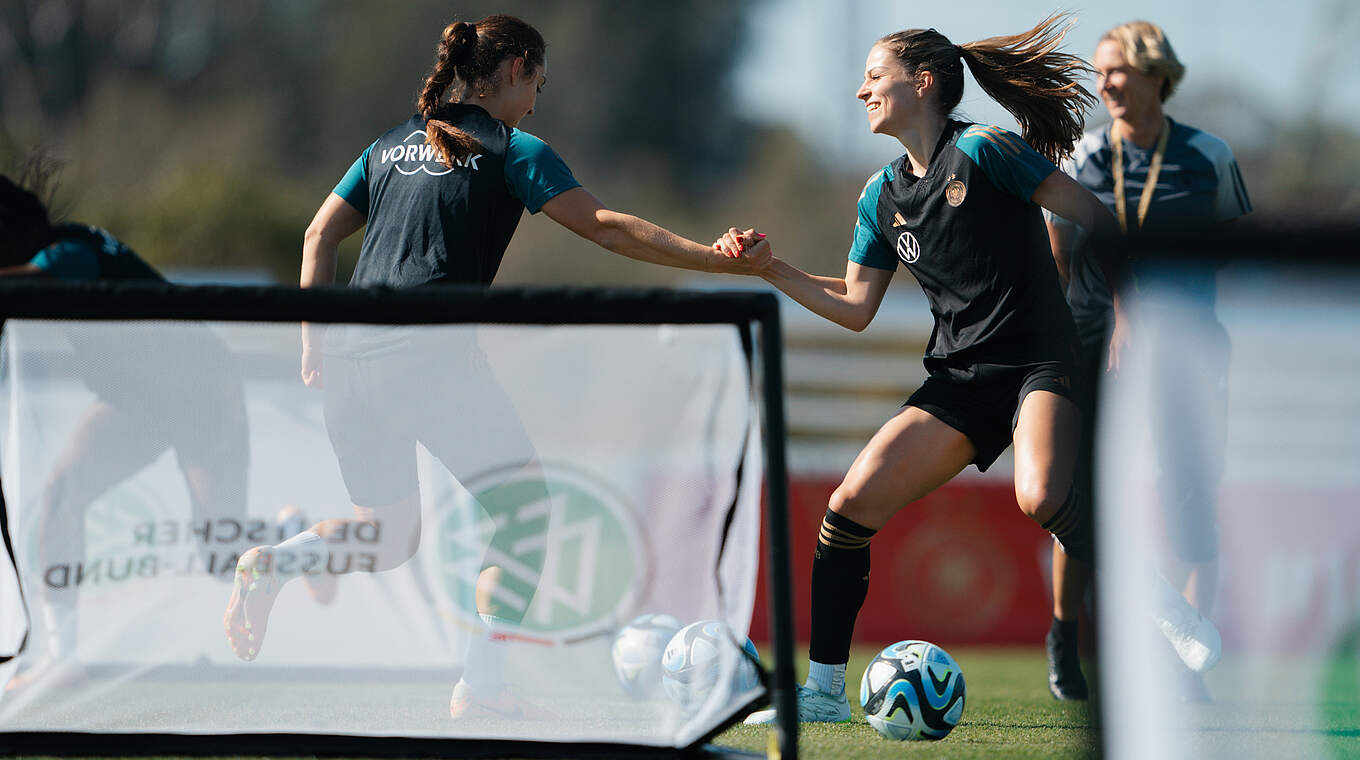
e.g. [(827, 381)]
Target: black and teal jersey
[(1199, 183), (970, 235), (430, 223), (86, 254)]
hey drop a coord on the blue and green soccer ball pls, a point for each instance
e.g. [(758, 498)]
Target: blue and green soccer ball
[(696, 658), (912, 690)]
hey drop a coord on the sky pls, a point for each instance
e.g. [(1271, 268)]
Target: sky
[(807, 58)]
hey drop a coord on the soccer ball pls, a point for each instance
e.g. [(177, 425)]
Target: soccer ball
[(637, 653), (696, 658), (912, 690)]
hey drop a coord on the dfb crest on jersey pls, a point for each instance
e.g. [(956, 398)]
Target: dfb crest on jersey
[(955, 192), (908, 248)]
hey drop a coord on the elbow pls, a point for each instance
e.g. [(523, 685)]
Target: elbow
[(313, 237), (856, 321)]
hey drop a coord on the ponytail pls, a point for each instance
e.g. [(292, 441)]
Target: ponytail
[(471, 54), (456, 48), (1023, 72)]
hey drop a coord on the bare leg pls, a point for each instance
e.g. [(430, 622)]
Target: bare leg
[(1046, 438), (1070, 579), (107, 448)]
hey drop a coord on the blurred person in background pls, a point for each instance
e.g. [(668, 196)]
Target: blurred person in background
[(1156, 175), (961, 211), (441, 195), (141, 411)]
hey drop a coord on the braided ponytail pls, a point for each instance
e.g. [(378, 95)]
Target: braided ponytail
[(471, 54), (457, 48)]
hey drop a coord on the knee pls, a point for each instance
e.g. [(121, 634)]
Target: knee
[(847, 502), (1039, 501)]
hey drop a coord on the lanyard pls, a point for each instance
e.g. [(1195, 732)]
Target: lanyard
[(1145, 201)]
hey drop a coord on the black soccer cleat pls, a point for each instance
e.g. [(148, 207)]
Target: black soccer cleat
[(1065, 680)]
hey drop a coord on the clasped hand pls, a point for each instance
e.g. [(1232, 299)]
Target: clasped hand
[(748, 251)]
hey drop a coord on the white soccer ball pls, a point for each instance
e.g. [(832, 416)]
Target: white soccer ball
[(637, 653), (912, 690), (696, 658)]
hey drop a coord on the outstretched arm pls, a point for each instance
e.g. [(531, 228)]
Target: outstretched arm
[(334, 221), (22, 270), (851, 301), (627, 235), (1063, 196)]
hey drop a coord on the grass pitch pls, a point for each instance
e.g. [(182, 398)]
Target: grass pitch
[(1008, 712)]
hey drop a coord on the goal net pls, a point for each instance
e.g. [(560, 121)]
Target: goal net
[(444, 530), (1228, 474)]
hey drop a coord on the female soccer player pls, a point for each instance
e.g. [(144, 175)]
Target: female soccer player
[(1155, 174), (199, 413), (960, 209), (441, 195)]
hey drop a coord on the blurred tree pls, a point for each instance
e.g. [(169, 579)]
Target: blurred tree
[(158, 105)]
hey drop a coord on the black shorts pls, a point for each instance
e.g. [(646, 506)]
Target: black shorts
[(982, 401), (438, 393)]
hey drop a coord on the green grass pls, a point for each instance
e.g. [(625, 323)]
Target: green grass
[(1264, 707), (1008, 713)]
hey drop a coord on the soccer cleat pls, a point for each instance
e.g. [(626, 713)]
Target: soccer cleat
[(252, 597), (1190, 688), (497, 704), (814, 706), (1194, 637), (51, 672), (1065, 680)]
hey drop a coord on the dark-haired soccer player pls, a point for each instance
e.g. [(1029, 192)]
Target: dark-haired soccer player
[(961, 211), (441, 195), (139, 414)]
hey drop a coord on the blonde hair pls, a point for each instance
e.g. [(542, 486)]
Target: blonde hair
[(1148, 51)]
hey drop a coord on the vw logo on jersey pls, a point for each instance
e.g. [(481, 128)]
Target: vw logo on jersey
[(415, 155), (908, 248)]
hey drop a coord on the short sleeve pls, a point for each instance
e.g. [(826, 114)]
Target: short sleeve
[(1012, 165), (869, 248), (534, 172), (1231, 200), (68, 260), (353, 187)]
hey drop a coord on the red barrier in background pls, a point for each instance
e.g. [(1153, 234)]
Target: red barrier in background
[(961, 566)]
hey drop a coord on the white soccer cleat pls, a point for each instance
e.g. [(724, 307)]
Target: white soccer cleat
[(814, 706), (1194, 637), (252, 597)]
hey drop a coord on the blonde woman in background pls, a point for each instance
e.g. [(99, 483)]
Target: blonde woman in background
[(1156, 175)]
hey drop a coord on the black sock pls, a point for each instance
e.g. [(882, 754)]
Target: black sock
[(840, 581), (1063, 630), (1071, 525)]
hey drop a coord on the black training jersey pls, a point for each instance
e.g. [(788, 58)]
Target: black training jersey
[(970, 235), (431, 223), (85, 254)]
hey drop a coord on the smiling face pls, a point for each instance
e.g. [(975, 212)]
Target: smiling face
[(1128, 93), (889, 92)]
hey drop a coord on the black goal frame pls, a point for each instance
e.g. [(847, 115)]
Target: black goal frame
[(755, 314)]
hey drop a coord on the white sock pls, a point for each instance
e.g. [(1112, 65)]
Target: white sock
[(830, 678), (59, 620), (303, 554), (485, 666)]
